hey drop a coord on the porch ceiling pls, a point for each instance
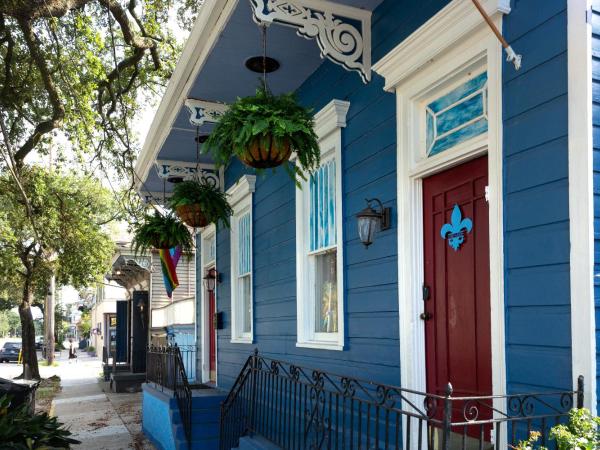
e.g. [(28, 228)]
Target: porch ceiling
[(224, 77)]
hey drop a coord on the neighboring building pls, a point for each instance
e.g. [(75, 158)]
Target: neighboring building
[(104, 316), (144, 315), (484, 277)]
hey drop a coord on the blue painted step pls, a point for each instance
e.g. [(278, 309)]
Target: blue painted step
[(255, 443), (206, 444), (206, 413)]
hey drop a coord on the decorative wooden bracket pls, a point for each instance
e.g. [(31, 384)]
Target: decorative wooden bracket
[(187, 171), (202, 111), (343, 33)]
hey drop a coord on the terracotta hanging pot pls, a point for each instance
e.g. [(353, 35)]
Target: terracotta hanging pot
[(265, 153), (192, 215)]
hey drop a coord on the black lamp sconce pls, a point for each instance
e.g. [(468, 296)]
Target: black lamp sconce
[(141, 306), (211, 279), (371, 220)]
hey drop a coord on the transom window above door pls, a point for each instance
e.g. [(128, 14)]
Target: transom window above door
[(457, 115)]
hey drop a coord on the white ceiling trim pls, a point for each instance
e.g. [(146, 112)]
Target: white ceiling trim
[(322, 20), (187, 171), (211, 21), (202, 112)]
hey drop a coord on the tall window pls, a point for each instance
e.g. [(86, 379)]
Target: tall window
[(244, 273), (323, 246), (319, 248), (240, 197)]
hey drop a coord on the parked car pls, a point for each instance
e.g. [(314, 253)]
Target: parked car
[(39, 342), (10, 352)]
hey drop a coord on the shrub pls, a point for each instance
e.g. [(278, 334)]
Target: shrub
[(582, 432), (22, 431)]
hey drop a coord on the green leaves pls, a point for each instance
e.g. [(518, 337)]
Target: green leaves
[(581, 433), (158, 231), (69, 212), (262, 115), (212, 200), (22, 431)]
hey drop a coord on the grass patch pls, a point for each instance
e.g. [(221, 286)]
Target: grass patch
[(46, 391), (45, 363)]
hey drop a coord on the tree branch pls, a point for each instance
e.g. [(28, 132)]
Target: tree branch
[(35, 9), (58, 109), (129, 35), (8, 58)]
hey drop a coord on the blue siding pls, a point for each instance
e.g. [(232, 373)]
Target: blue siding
[(370, 276), (536, 219), (596, 121), (536, 208)]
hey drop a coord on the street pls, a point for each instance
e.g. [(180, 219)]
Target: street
[(100, 420)]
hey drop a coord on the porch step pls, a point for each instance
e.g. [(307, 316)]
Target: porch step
[(256, 443), (199, 415), (206, 444), (200, 431), (126, 381)]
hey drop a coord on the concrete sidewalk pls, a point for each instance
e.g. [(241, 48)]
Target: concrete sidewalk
[(101, 421)]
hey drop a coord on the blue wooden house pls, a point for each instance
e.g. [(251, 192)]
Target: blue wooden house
[(480, 272)]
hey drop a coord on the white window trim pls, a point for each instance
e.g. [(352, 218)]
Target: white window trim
[(328, 127), (581, 198), (240, 198), (453, 40)]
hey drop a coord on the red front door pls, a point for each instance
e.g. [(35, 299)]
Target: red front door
[(212, 336), (457, 280)]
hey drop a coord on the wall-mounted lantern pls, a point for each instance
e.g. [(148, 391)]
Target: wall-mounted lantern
[(371, 220), (211, 279), (141, 305)]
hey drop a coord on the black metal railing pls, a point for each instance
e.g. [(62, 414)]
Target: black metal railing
[(299, 408), (160, 366), (165, 368), (183, 394)]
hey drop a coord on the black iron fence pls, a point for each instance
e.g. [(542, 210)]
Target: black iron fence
[(299, 408), (165, 368)]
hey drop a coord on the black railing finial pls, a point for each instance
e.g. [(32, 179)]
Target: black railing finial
[(580, 386)]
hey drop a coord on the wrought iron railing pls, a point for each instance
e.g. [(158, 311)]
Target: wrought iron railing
[(183, 394), (165, 368), (299, 408)]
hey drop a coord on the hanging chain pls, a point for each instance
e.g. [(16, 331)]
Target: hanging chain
[(197, 175), (264, 47)]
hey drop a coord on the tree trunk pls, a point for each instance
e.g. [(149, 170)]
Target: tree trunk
[(31, 370), (49, 322)]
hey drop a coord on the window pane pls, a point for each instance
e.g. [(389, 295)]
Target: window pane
[(246, 303), (244, 254), (322, 207), (326, 313)]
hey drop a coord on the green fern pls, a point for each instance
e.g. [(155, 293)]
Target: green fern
[(210, 198), (261, 116), (156, 231)]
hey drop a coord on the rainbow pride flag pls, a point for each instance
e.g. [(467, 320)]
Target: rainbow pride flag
[(169, 257)]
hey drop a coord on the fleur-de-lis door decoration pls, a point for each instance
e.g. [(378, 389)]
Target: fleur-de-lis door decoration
[(455, 230)]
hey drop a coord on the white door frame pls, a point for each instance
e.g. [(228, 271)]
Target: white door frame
[(581, 198), (451, 44), (207, 262)]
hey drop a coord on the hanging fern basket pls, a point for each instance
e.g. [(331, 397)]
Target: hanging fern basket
[(266, 152), (192, 215)]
